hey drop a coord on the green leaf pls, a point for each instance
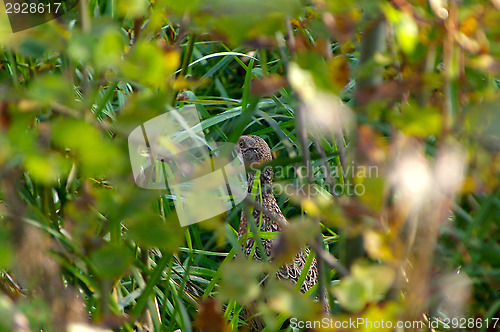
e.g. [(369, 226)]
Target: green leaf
[(132, 8), (366, 284), (405, 27), (150, 65), (97, 154), (483, 121), (32, 47), (47, 169), (417, 121), (240, 280), (150, 230), (111, 260), (5, 248), (48, 89), (109, 48)]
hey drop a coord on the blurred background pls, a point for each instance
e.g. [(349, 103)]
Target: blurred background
[(383, 120)]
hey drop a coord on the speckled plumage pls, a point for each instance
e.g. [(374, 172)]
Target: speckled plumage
[(254, 151)]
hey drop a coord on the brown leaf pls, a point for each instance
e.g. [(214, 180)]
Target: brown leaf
[(339, 71), (297, 24), (372, 146), (113, 320), (267, 85), (210, 318), (342, 26), (302, 44), (390, 91), (4, 116), (299, 232), (182, 96), (260, 42)]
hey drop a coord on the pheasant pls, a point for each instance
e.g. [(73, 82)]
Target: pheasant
[(255, 151)]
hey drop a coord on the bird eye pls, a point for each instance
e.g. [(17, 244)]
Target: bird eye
[(242, 144)]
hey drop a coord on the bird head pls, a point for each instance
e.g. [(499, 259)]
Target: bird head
[(254, 150)]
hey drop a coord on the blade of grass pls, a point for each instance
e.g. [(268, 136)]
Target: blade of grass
[(152, 282)]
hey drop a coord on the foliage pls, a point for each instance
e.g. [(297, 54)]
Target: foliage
[(384, 124)]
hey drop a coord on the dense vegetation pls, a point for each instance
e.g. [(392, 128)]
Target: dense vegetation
[(383, 118)]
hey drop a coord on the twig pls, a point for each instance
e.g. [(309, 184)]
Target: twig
[(374, 41), (331, 260), (292, 46)]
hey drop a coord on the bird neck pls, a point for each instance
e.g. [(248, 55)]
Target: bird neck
[(266, 182)]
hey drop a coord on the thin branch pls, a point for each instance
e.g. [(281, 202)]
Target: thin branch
[(331, 260)]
